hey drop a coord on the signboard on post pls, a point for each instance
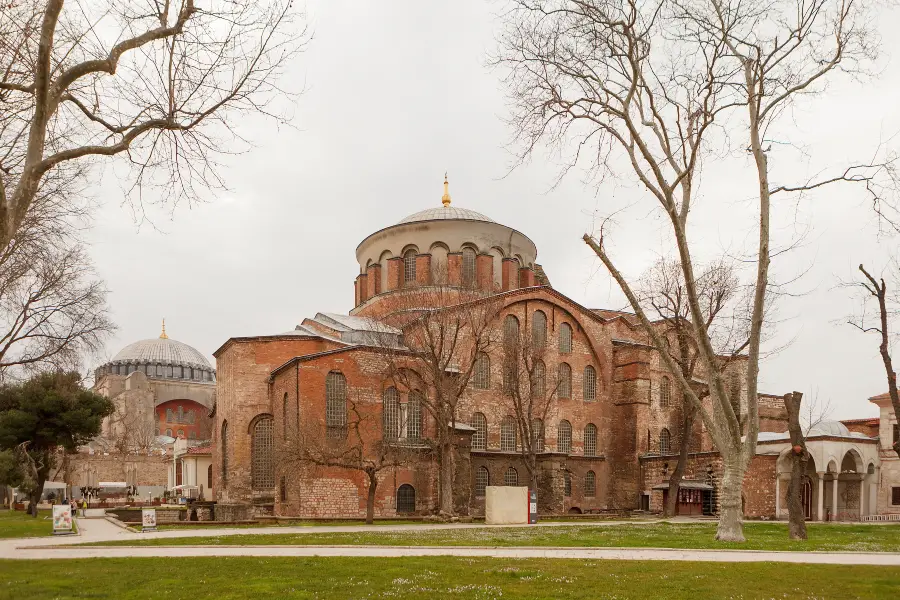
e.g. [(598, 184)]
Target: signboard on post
[(62, 519), (148, 519), (532, 507)]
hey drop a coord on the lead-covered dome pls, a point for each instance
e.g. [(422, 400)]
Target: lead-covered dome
[(161, 350), (829, 428), (446, 212)]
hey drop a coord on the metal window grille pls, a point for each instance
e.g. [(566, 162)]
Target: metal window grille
[(565, 338), (539, 329), (510, 331), (468, 267), (590, 440), (284, 417), (479, 438), (539, 379), (180, 414), (482, 377), (665, 441), (511, 477), (414, 416), (665, 392), (590, 484), (390, 415), (209, 477), (482, 480), (409, 266), (564, 437), (282, 489), (508, 434), (170, 416), (406, 499), (537, 435), (589, 387), (263, 452), (567, 484), (565, 381), (336, 404)]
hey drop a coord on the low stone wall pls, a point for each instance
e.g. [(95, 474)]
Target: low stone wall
[(233, 512), (163, 515)]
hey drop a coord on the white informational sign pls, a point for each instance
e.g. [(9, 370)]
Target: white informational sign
[(148, 519), (62, 519)]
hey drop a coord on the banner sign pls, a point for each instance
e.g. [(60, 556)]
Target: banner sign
[(148, 519), (62, 519)]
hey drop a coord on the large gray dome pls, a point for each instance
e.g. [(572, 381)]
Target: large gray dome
[(446, 212), (163, 351)]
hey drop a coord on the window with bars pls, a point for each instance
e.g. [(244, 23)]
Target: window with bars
[(390, 415), (406, 499), (468, 267), (564, 437), (665, 441), (482, 480), (539, 329), (537, 435), (479, 438), (336, 405), (282, 489), (590, 440), (565, 338), (665, 392), (590, 484), (511, 477), (564, 389), (414, 416), (895, 496), (262, 473), (567, 484), (538, 379), (589, 387), (510, 331), (209, 477), (409, 267), (508, 434), (284, 417), (482, 376)]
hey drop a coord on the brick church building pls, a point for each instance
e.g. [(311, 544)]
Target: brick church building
[(607, 444)]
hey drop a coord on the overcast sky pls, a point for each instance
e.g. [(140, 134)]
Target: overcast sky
[(397, 93)]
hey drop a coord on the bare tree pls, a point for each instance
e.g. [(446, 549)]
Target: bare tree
[(445, 330), (799, 458), (158, 82), (877, 289), (642, 88), (365, 448), (131, 430)]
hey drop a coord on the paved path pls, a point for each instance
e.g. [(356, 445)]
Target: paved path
[(101, 530)]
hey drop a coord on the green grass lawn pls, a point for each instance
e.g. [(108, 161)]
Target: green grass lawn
[(18, 524), (435, 577), (298, 523), (760, 536)]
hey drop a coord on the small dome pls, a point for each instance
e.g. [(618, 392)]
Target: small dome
[(829, 428), (446, 212), (162, 351)]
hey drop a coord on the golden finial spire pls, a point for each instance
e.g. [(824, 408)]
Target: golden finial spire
[(446, 197), (163, 335)]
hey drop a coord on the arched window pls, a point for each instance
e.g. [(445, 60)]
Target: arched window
[(482, 480), (479, 438), (565, 381), (390, 415), (169, 432), (336, 405), (282, 489), (170, 415), (284, 416), (665, 440), (589, 387), (414, 416), (537, 435), (262, 450), (406, 499), (209, 482), (508, 434), (511, 477), (192, 435), (590, 484), (590, 440), (409, 267), (468, 267), (665, 392), (180, 414), (482, 375), (567, 484), (564, 437), (180, 433), (539, 329), (538, 379), (510, 331), (565, 338), (224, 451)]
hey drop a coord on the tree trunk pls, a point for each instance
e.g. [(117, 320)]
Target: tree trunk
[(446, 478), (370, 500), (796, 518), (35, 495), (687, 425), (731, 514)]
